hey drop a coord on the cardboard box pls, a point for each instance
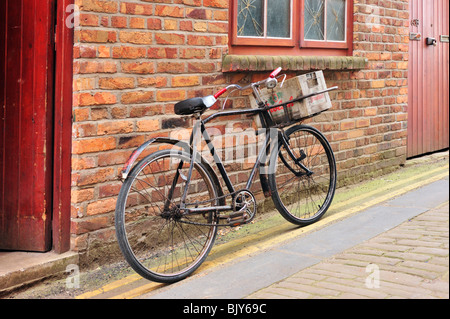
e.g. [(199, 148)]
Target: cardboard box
[(293, 88)]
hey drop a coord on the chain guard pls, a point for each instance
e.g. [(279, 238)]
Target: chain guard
[(244, 211)]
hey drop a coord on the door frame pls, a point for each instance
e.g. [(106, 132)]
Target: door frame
[(62, 149)]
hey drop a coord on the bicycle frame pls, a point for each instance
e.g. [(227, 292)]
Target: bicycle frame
[(200, 130)]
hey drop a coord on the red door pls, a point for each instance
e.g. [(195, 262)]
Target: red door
[(428, 105), (26, 75)]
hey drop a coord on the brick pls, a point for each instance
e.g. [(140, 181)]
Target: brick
[(170, 95), (199, 14), (216, 3), (114, 127), (147, 125), (119, 22), (192, 53), (137, 23), (162, 53), (158, 82), (88, 225), (104, 51), (171, 67), (378, 84), (126, 52), (347, 125), (84, 129), (89, 20), (200, 40), (169, 38), (99, 6), (98, 36), (135, 37), (137, 97), (81, 195), (218, 27), (138, 67), (136, 8), (181, 81), (170, 24), (201, 67), (116, 83), (93, 145), (109, 190), (169, 11), (86, 67), (362, 123), (154, 24), (100, 98), (101, 206), (83, 84)]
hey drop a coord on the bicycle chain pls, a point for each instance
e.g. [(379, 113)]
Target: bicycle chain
[(215, 217)]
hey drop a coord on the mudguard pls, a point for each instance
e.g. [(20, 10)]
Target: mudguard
[(160, 140)]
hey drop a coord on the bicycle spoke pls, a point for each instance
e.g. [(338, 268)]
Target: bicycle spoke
[(159, 242), (302, 198)]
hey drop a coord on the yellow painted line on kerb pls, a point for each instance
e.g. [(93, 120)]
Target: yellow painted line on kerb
[(440, 172)]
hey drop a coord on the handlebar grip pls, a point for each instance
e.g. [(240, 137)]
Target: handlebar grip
[(275, 73), (220, 93)]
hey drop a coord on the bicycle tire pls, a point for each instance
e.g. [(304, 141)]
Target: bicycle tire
[(136, 227), (300, 198)]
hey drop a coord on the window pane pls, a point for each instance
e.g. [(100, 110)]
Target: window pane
[(279, 18), (250, 18), (314, 20), (336, 20)]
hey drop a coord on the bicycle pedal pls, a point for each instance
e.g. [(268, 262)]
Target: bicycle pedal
[(237, 219)]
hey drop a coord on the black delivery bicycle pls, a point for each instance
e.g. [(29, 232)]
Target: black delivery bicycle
[(171, 203)]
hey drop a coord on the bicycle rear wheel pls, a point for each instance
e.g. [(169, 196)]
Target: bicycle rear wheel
[(158, 241), (303, 196)]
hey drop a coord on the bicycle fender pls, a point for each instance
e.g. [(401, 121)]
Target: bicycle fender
[(159, 140)]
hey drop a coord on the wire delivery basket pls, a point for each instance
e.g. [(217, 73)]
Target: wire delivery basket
[(296, 99)]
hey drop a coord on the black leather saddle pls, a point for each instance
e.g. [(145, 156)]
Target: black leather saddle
[(190, 106)]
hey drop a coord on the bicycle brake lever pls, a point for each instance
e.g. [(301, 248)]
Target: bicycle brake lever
[(284, 79)]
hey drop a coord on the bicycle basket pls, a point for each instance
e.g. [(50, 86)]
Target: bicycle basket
[(289, 107)]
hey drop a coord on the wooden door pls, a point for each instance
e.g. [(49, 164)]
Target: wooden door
[(26, 75), (428, 77)]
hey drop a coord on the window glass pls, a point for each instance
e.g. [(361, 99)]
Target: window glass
[(314, 19), (279, 18), (250, 18), (336, 20)]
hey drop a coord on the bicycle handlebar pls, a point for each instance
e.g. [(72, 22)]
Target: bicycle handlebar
[(271, 76), (275, 73)]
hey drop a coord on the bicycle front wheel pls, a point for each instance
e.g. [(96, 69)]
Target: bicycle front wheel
[(302, 195), (158, 241)]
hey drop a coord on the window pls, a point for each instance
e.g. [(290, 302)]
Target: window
[(292, 26), (264, 22)]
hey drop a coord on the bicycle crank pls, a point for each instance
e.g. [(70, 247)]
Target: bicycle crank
[(244, 205)]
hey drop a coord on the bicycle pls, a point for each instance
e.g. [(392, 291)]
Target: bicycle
[(171, 203)]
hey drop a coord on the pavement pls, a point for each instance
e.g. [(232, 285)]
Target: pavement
[(397, 249), (388, 238), (409, 261)]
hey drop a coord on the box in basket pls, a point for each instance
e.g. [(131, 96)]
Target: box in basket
[(292, 89)]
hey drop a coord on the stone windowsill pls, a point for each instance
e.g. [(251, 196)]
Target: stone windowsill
[(234, 63)]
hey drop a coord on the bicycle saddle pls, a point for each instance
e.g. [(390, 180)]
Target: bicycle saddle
[(190, 106)]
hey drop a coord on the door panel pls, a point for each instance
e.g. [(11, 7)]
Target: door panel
[(428, 78), (26, 132)]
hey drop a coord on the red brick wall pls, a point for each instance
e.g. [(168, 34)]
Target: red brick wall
[(134, 59)]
